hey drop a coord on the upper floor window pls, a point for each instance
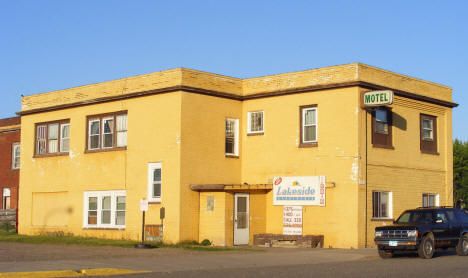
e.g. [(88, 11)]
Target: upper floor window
[(255, 122), (107, 131), (232, 137), (53, 138), (382, 128), (15, 158), (428, 134), (154, 182), (309, 123)]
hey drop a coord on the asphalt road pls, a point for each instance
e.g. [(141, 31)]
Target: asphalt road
[(262, 262)]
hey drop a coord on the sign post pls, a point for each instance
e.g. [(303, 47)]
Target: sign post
[(143, 208)]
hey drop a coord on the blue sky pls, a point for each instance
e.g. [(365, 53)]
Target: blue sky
[(50, 45)]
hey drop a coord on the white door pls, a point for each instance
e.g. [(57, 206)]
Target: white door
[(241, 218)]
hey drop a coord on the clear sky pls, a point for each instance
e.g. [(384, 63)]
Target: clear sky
[(50, 45)]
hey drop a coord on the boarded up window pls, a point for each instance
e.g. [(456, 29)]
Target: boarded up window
[(51, 209)]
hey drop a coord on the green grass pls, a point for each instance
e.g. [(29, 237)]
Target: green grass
[(89, 241)]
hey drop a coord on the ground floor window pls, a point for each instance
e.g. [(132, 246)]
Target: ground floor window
[(430, 200), (382, 204), (104, 209)]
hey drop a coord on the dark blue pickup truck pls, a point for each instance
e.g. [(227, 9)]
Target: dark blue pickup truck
[(423, 230)]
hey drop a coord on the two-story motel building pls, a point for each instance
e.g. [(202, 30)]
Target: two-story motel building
[(212, 150)]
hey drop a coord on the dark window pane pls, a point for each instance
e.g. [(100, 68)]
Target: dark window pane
[(157, 175)]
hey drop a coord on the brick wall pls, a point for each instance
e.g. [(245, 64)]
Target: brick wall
[(9, 178)]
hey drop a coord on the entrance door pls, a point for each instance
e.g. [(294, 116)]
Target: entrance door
[(241, 218)]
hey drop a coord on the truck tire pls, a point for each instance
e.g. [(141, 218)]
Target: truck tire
[(385, 254), (426, 247), (462, 246)]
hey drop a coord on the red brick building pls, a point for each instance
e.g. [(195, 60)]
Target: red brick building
[(9, 162)]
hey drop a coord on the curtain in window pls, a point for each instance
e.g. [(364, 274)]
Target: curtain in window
[(310, 125), (65, 138), (94, 131), (121, 125), (108, 133), (41, 139), (53, 138)]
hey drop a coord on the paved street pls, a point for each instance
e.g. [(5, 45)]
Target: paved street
[(271, 262)]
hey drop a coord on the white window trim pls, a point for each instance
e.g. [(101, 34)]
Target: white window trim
[(13, 156), (236, 136), (89, 134), (249, 122), (151, 168), (63, 138), (99, 194), (390, 204), (431, 129), (303, 126)]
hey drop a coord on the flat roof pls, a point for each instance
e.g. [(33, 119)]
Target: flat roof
[(182, 79)]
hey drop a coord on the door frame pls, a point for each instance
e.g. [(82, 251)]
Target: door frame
[(235, 218)]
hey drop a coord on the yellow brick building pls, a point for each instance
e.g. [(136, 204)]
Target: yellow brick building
[(207, 148)]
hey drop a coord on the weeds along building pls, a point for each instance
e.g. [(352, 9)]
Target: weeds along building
[(231, 160)]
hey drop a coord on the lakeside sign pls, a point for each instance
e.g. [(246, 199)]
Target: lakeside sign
[(299, 191), (378, 98)]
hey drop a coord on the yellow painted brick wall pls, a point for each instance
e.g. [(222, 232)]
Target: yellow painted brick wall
[(213, 223), (276, 153), (153, 136), (257, 213), (203, 148), (404, 170)]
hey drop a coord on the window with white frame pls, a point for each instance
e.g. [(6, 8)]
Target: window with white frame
[(154, 182), (15, 157), (309, 124), (382, 204), (104, 209), (255, 122), (107, 131), (232, 137), (53, 138), (6, 198), (430, 200), (65, 138)]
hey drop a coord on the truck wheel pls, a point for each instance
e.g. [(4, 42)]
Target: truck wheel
[(462, 246), (385, 254), (426, 248)]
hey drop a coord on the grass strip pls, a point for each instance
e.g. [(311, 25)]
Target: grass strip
[(90, 241)]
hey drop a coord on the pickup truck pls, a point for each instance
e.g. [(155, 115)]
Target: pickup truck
[(423, 230)]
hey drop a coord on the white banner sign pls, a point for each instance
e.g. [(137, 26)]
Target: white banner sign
[(302, 191), (292, 220)]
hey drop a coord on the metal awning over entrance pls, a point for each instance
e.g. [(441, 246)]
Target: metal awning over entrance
[(230, 187)]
